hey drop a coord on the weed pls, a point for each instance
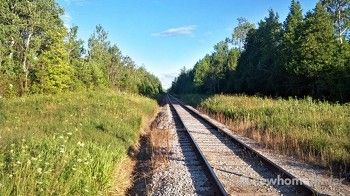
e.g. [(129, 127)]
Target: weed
[(68, 144), (315, 131)]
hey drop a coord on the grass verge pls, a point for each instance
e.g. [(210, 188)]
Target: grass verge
[(69, 144), (318, 132)]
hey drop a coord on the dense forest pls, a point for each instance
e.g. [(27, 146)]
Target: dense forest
[(38, 54), (306, 55)]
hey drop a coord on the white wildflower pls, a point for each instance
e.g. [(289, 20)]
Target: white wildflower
[(69, 133), (39, 170), (81, 144)]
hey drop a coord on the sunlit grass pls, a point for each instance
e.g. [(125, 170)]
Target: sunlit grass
[(312, 130), (68, 144)]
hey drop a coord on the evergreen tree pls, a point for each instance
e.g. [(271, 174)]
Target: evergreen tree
[(317, 43), (316, 49), (201, 71), (302, 58), (289, 58), (256, 68)]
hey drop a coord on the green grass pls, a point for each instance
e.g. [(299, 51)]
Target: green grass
[(312, 130), (69, 144)]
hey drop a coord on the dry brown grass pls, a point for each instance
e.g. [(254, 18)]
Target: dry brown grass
[(151, 153), (123, 177), (160, 140), (134, 169), (280, 143)]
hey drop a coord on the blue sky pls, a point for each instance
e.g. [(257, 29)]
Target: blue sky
[(166, 35)]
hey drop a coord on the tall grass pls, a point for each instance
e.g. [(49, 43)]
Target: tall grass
[(70, 144), (318, 132)]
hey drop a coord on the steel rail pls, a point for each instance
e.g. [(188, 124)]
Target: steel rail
[(218, 183), (233, 138)]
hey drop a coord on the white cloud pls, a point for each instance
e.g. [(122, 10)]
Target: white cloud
[(184, 30)]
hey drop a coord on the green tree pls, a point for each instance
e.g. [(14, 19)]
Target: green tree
[(29, 22), (184, 82), (75, 51), (340, 11), (230, 75), (240, 32), (99, 56), (219, 67), (256, 70), (74, 46), (53, 73), (316, 50), (201, 71), (317, 43), (115, 67), (148, 85), (289, 57)]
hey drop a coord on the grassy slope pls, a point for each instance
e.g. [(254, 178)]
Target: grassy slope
[(315, 131), (68, 144)]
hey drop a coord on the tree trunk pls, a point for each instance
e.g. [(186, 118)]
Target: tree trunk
[(24, 63)]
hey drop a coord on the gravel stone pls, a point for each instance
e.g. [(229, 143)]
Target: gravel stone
[(184, 174), (314, 176)]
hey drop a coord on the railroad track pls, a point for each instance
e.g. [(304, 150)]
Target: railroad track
[(234, 168)]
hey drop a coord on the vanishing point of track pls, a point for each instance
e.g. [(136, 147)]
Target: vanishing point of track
[(234, 168)]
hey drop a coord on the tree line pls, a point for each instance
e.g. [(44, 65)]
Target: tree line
[(306, 55), (38, 54)]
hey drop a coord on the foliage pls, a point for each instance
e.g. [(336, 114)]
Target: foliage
[(39, 55), (258, 66), (68, 144), (184, 82), (302, 57), (340, 12), (240, 32)]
